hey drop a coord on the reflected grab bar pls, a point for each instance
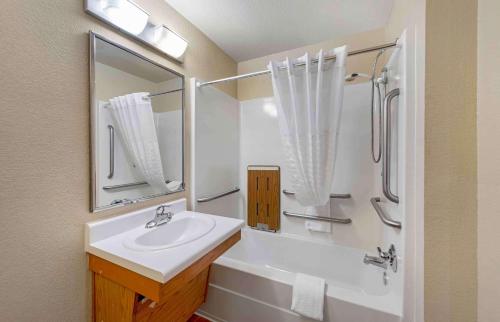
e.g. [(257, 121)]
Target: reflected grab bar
[(205, 199), (129, 185), (319, 218), (111, 151), (333, 195), (386, 158), (380, 212)]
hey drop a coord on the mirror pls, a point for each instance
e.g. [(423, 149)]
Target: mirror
[(137, 126)]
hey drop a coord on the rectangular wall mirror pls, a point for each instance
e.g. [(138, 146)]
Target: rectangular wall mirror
[(137, 126)]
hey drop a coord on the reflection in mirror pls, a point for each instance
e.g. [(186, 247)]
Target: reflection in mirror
[(137, 124)]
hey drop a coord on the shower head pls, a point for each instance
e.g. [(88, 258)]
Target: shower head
[(354, 76)]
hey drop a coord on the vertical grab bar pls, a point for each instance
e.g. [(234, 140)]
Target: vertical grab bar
[(386, 157), (111, 151)]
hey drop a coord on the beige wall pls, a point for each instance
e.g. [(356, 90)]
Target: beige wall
[(450, 161), (44, 150), (488, 132), (260, 86), (448, 50)]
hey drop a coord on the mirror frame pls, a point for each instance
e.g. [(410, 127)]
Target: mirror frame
[(93, 37)]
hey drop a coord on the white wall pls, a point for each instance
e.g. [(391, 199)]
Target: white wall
[(354, 173)]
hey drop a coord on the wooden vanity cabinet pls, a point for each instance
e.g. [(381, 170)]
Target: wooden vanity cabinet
[(120, 294)]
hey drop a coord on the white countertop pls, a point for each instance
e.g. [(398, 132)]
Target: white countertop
[(104, 238)]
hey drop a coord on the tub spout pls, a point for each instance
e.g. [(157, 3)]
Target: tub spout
[(374, 260), (383, 259)]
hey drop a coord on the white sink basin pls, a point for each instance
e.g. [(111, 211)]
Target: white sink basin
[(178, 231), (162, 252)]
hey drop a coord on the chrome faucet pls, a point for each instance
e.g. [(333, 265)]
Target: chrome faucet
[(161, 217), (383, 258)]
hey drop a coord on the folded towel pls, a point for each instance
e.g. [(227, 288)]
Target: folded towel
[(174, 185), (308, 296)]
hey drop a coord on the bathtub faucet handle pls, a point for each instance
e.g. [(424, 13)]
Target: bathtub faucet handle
[(385, 255), (384, 258)]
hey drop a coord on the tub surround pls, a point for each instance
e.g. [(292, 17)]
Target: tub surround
[(168, 284)]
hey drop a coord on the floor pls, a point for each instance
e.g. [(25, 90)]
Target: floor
[(196, 318)]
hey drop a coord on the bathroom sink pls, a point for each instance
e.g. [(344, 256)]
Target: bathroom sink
[(184, 228), (162, 252)]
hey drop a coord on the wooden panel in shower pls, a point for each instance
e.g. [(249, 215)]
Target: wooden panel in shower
[(264, 197)]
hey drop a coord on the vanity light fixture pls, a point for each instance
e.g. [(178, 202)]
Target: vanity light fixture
[(131, 19), (170, 42), (126, 15)]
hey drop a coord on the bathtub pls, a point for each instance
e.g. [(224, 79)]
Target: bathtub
[(253, 281)]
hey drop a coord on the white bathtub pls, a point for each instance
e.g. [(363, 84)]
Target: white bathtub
[(253, 281)]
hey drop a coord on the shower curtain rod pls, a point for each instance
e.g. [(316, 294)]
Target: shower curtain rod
[(267, 71), (147, 97)]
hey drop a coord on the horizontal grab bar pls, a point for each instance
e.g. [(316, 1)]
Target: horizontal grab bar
[(380, 212), (205, 199), (320, 218), (127, 185), (333, 195)]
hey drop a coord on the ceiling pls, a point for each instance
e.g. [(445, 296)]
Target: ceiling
[(247, 29)]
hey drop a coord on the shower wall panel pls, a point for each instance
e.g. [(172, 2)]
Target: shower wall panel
[(354, 172), (215, 124)]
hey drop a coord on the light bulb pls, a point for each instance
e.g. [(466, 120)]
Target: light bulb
[(169, 42), (126, 15)]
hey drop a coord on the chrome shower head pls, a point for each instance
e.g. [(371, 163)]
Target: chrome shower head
[(354, 76)]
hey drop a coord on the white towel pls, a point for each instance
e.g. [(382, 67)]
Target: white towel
[(308, 296)]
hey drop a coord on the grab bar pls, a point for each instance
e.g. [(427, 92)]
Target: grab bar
[(111, 151), (333, 195), (128, 185), (205, 199), (386, 160), (319, 218), (380, 212)]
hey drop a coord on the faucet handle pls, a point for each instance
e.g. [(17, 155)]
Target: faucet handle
[(382, 254), (161, 210)]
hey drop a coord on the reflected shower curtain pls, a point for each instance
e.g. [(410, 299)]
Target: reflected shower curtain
[(309, 97), (133, 115)]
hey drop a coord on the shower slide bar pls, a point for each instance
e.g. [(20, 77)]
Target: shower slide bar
[(210, 198), (386, 156), (382, 215), (319, 218), (267, 71), (333, 195)]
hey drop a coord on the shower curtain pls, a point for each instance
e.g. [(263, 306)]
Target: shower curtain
[(133, 115), (309, 97)]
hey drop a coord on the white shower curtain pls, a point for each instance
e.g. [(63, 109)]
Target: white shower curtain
[(133, 115), (309, 97)]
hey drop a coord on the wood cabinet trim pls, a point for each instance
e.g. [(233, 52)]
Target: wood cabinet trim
[(152, 289)]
